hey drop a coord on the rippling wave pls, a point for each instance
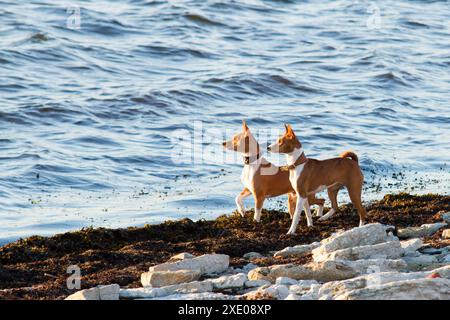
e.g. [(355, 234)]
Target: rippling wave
[(87, 114)]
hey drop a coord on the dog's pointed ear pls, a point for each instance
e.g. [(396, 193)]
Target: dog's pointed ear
[(289, 130), (245, 127)]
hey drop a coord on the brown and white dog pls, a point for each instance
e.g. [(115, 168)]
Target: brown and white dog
[(261, 178), (309, 176)]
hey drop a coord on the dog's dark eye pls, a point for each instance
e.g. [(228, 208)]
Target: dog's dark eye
[(280, 141)]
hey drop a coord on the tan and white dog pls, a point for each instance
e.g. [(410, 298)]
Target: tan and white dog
[(261, 178), (309, 176)]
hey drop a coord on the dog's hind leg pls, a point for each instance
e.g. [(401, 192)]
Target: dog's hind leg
[(318, 201), (354, 191), (332, 194), (240, 200)]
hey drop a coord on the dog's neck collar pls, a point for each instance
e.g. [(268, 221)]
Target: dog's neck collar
[(251, 159), (296, 158)]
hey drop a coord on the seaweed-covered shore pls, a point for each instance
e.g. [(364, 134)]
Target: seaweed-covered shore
[(36, 267)]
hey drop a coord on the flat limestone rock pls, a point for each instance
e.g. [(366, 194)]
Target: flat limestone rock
[(368, 234), (285, 281), (229, 281), (196, 296), (158, 279), (424, 230), (320, 271), (419, 261), (367, 266), (302, 285), (109, 292), (182, 256), (411, 245), (415, 289), (275, 291), (335, 288), (446, 234), (86, 294), (105, 292), (208, 263), (297, 251), (190, 287), (387, 250)]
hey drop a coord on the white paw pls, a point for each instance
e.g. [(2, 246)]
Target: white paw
[(319, 212), (310, 225), (290, 232), (242, 213), (323, 218)]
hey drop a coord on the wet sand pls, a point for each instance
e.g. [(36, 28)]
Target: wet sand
[(35, 267)]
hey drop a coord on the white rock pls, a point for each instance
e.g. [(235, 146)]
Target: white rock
[(321, 271), (444, 271), (190, 287), (229, 282), (252, 255), (446, 234), (196, 296), (208, 263), (297, 251), (143, 293), (302, 286), (292, 296), (446, 259), (335, 288), (158, 279), (105, 292), (182, 256), (376, 265), (422, 231), (420, 260), (446, 217), (256, 283), (275, 291), (386, 250), (368, 234), (313, 293), (285, 281), (249, 266), (411, 245), (86, 294), (416, 289), (109, 292)]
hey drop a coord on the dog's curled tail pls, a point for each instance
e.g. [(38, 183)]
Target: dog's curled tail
[(349, 154)]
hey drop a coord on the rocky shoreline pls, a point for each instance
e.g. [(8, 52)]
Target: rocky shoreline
[(403, 253)]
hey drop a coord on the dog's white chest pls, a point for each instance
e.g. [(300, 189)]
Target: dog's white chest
[(294, 175), (247, 176)]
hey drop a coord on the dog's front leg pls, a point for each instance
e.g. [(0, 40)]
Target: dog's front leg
[(259, 201), (296, 218)]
